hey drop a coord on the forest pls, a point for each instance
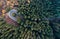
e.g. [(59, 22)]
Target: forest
[(39, 19)]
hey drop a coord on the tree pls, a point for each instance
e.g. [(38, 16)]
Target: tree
[(36, 14)]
